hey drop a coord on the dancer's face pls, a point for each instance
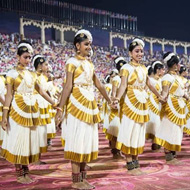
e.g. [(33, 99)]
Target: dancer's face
[(161, 72), (177, 67), (24, 59), (44, 67), (84, 48), (137, 54), (49, 74), (113, 75), (184, 74)]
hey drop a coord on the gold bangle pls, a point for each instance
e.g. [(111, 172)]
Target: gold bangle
[(110, 103), (117, 99), (60, 109), (5, 108), (54, 105)]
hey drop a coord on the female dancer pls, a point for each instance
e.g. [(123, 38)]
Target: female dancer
[(114, 117), (108, 87), (21, 115), (82, 114), (183, 74), (2, 101), (173, 117), (153, 103), (150, 71), (52, 90), (41, 67), (131, 137), (106, 108)]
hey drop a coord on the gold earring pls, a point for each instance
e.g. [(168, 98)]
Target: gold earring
[(78, 51)]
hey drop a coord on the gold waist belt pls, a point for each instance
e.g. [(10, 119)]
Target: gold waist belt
[(26, 94), (176, 96), (85, 86), (135, 87)]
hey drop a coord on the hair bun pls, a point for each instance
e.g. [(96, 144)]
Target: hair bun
[(83, 33)]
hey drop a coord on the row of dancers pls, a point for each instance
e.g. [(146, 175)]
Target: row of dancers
[(144, 114), (27, 112), (137, 104)]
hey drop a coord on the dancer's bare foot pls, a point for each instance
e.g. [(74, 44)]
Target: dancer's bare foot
[(28, 177), (177, 162), (88, 184), (171, 162), (134, 172), (140, 171), (22, 180), (79, 185), (174, 161)]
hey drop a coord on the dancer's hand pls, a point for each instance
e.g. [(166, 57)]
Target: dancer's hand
[(162, 99), (58, 117), (114, 104), (4, 124), (186, 97)]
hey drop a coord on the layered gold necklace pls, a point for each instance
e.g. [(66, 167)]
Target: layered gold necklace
[(84, 61), (137, 68), (23, 72)]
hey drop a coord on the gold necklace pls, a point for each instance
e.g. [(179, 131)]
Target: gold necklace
[(80, 57), (23, 74), (87, 77), (38, 73), (19, 66), (172, 73), (136, 66)]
